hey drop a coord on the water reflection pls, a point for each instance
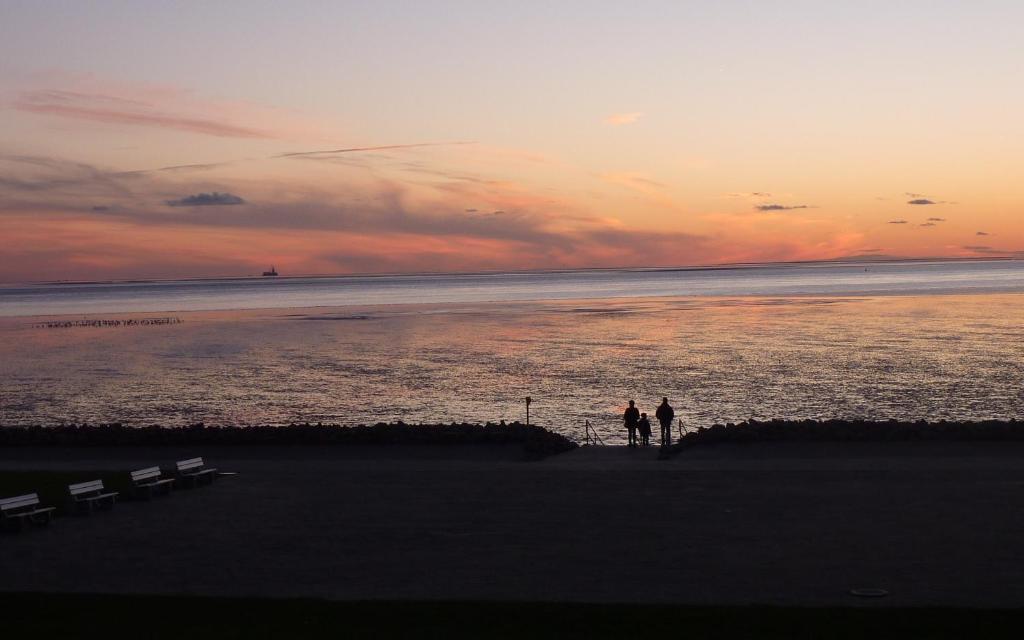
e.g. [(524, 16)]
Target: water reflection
[(956, 357)]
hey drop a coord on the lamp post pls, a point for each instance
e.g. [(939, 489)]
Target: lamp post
[(528, 401)]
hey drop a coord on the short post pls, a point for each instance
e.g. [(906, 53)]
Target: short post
[(528, 401)]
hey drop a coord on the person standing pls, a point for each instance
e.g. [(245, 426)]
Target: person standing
[(645, 430), (631, 417), (665, 414)]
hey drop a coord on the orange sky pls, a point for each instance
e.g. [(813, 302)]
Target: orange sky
[(357, 139)]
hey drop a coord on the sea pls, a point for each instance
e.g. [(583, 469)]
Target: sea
[(906, 340)]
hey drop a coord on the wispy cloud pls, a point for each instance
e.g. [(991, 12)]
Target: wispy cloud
[(636, 181), (981, 233), (206, 200), (751, 194), (927, 224), (993, 251), (387, 147), (936, 220), (900, 221), (782, 207), (921, 201), (619, 119), (193, 167), (111, 109)]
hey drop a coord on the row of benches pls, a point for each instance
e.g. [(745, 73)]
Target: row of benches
[(84, 497)]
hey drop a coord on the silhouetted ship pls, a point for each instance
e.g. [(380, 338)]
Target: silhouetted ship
[(272, 272)]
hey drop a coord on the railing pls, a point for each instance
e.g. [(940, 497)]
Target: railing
[(590, 435)]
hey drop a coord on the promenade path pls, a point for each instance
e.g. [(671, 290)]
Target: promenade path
[(786, 524)]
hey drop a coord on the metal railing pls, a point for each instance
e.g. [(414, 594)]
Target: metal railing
[(590, 435)]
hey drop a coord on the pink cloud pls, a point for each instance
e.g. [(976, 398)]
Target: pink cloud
[(619, 119), (90, 98), (116, 110)]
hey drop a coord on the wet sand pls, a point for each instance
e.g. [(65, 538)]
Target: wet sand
[(935, 524)]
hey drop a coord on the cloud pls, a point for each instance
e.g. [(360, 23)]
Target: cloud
[(46, 176), (921, 201), (634, 181), (752, 194), (96, 107), (194, 167), (981, 233), (356, 221), (898, 221), (927, 224), (781, 207), (206, 200), (619, 119), (297, 154), (936, 219), (992, 251), (396, 226)]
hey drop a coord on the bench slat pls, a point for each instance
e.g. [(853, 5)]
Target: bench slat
[(85, 487), (192, 463), (146, 474), (17, 502)]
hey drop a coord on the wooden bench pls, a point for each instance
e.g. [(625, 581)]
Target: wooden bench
[(86, 496), (16, 511), (147, 482), (193, 472)]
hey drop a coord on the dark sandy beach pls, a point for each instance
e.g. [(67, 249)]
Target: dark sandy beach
[(934, 524)]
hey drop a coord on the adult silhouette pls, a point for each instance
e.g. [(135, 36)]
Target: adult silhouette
[(665, 414), (631, 417)]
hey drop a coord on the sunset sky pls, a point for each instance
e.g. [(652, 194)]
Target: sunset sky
[(187, 139)]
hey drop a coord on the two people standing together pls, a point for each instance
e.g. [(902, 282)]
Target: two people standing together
[(638, 422)]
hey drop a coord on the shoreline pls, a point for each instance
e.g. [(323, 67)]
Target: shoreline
[(535, 441), (776, 430)]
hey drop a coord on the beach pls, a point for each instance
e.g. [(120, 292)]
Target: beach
[(792, 524)]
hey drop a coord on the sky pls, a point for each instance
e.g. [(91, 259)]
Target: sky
[(202, 139)]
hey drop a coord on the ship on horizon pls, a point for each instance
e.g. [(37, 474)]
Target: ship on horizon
[(272, 272)]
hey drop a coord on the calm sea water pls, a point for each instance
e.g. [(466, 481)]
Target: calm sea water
[(282, 293), (922, 340)]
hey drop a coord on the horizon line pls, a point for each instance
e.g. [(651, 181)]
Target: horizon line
[(382, 274)]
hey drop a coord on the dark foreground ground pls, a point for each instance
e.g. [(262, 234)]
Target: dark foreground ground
[(937, 525), (174, 617)]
